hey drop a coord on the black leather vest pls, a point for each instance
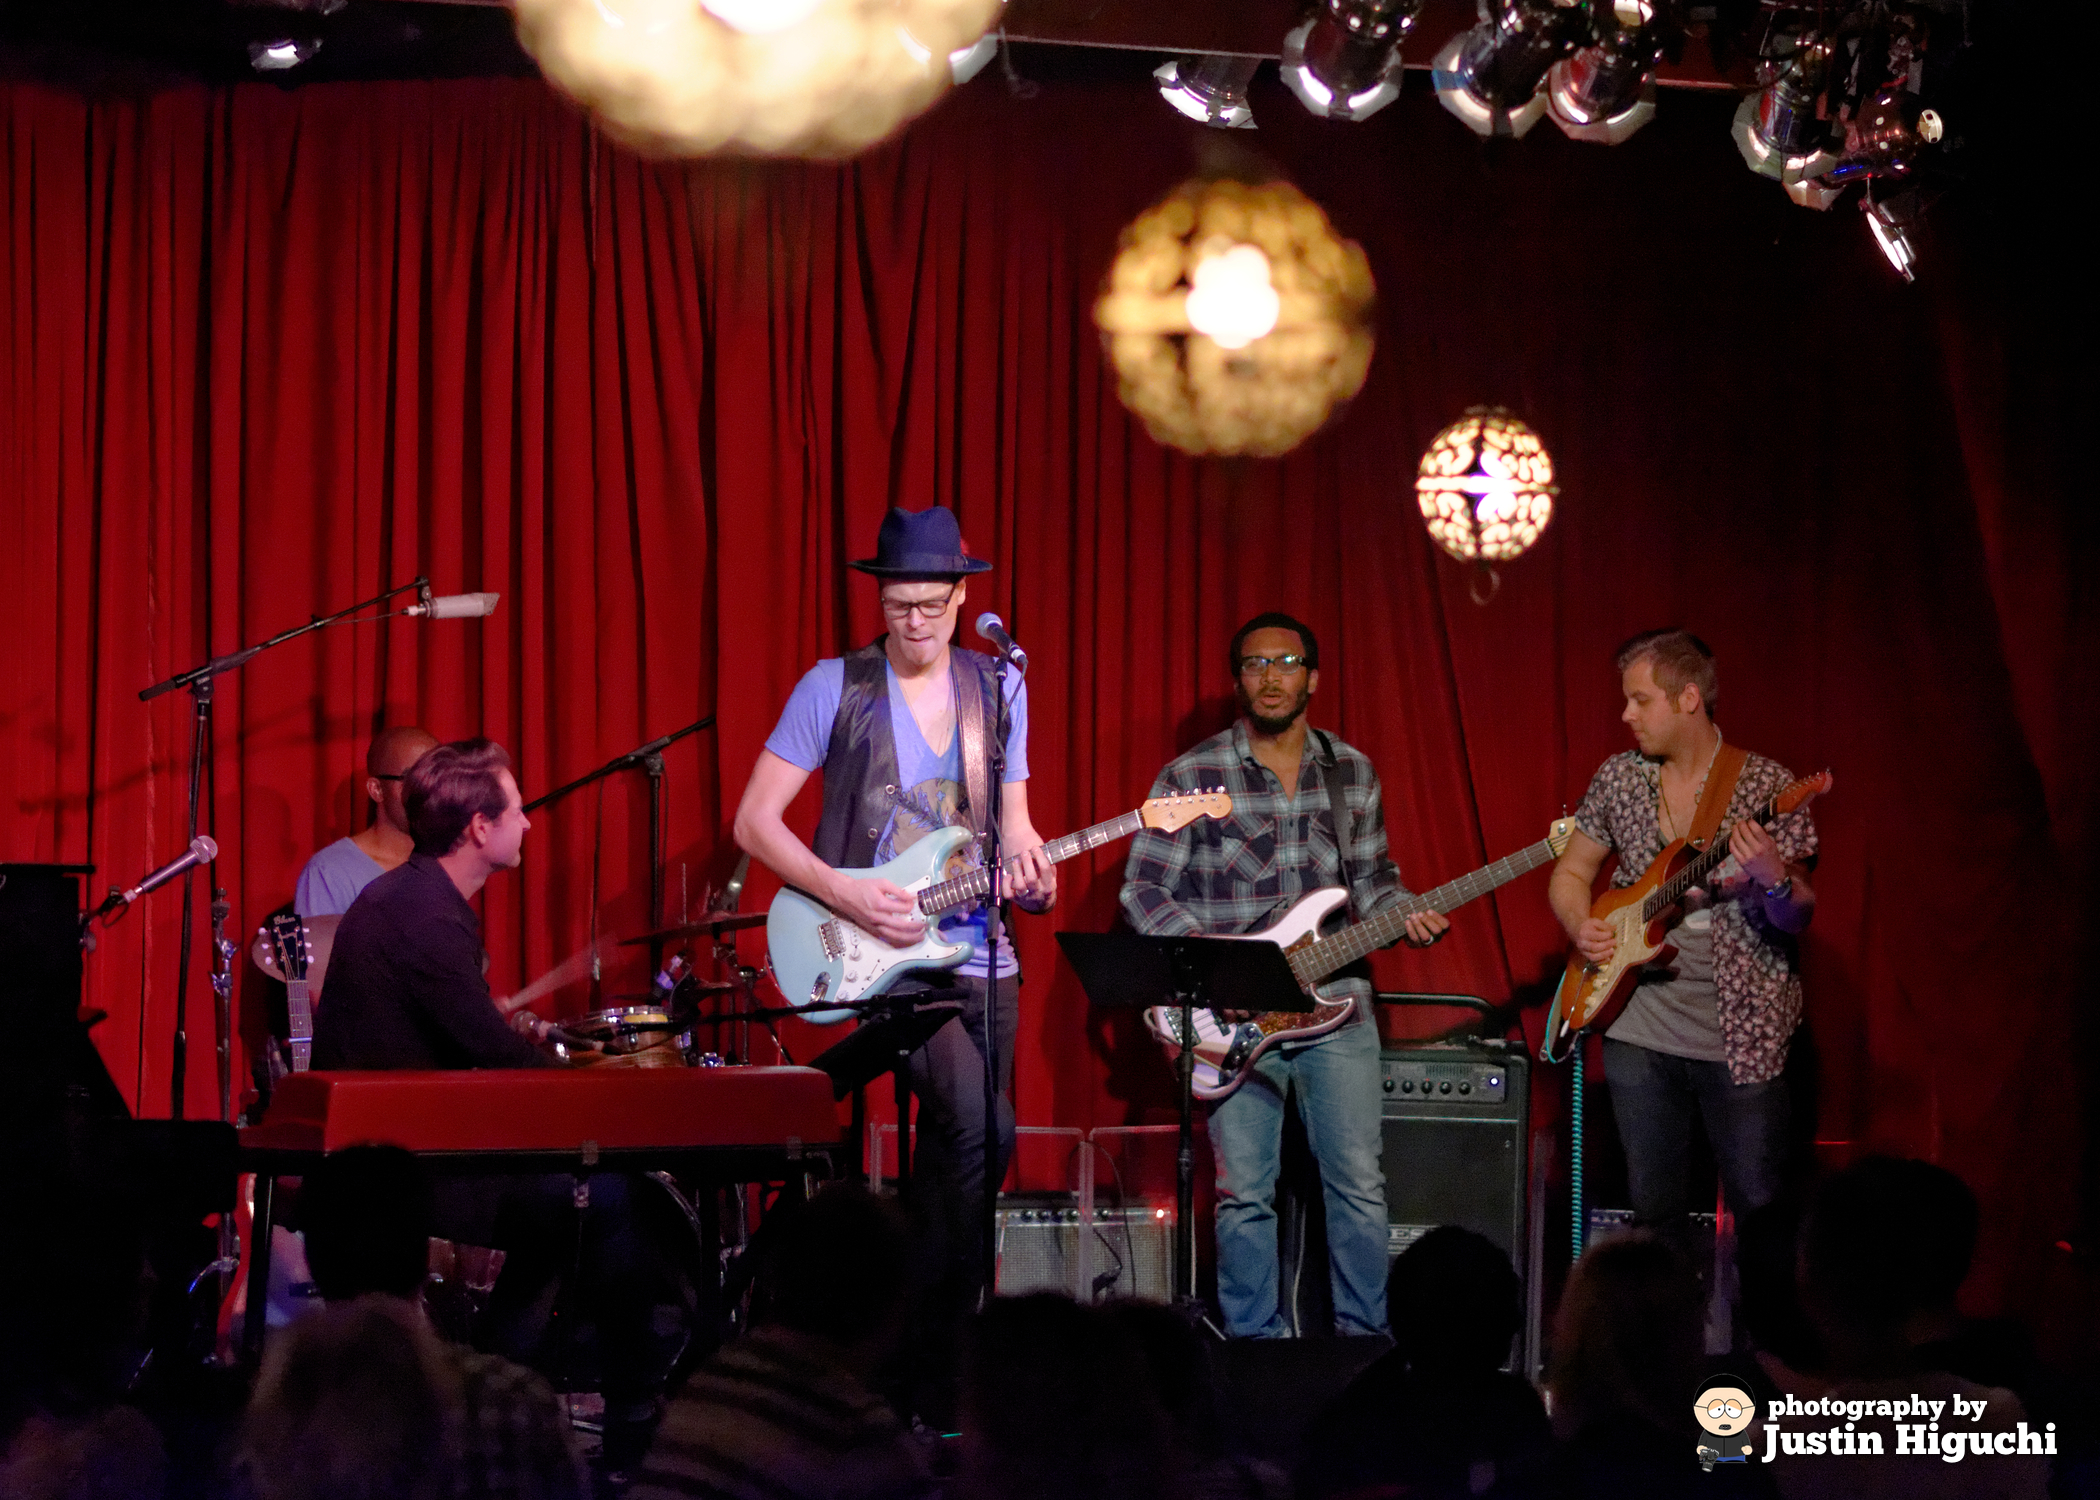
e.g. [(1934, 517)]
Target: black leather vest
[(860, 767)]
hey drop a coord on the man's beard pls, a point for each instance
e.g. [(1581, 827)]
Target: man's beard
[(1263, 722)]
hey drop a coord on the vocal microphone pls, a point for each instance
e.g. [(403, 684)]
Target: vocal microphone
[(453, 606), (990, 629), (203, 850)]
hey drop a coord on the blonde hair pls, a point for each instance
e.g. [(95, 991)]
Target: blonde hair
[(1679, 660)]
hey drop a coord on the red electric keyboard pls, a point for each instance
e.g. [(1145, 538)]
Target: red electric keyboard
[(720, 1125), (582, 1116)]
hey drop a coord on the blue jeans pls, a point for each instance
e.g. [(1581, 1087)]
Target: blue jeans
[(1656, 1098), (1338, 1099)]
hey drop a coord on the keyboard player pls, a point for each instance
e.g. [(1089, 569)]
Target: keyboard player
[(406, 990)]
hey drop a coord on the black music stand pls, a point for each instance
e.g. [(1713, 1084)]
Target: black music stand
[(891, 1029), (1129, 969)]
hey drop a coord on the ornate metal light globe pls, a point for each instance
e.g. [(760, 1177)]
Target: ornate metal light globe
[(1237, 320), (814, 78), (1486, 487)]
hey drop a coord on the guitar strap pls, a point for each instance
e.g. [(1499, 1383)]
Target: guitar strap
[(1338, 806), (976, 741), (1720, 787)]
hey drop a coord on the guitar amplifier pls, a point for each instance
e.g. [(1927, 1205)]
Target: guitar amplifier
[(1132, 1254), (1456, 1124)]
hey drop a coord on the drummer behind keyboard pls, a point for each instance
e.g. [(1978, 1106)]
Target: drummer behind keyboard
[(405, 987)]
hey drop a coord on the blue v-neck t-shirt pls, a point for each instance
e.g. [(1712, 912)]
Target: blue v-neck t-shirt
[(930, 787)]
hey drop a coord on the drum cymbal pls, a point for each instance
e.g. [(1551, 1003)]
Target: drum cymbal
[(716, 925)]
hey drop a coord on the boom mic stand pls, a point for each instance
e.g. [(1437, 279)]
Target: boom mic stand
[(204, 776), (995, 757), (650, 758)]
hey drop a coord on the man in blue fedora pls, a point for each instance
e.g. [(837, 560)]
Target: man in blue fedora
[(901, 729)]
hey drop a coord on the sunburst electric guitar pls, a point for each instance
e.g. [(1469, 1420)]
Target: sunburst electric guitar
[(1226, 1052), (819, 958), (1640, 916)]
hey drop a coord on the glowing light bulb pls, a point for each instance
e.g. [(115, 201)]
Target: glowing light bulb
[(1231, 301), (760, 17)]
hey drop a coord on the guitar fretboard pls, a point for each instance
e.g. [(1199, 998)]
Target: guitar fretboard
[(1315, 961), (976, 886), (1671, 891)]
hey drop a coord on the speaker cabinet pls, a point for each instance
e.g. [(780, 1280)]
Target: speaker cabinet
[(1457, 1122)]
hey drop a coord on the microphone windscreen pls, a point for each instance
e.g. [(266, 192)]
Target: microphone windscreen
[(205, 847), (463, 606)]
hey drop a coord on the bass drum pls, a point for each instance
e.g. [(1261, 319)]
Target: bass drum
[(683, 1285)]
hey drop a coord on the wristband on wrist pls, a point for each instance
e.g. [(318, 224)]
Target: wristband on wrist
[(1784, 888)]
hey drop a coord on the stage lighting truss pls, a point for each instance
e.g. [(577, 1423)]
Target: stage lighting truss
[(1343, 61), (1493, 77), (1210, 87), (1606, 91)]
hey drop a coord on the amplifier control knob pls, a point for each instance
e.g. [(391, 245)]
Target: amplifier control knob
[(1389, 1085), (1444, 1087), (1465, 1088)]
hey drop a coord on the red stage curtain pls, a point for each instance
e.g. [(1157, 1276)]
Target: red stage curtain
[(267, 351)]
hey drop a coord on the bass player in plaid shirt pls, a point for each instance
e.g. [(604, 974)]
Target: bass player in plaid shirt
[(1237, 875)]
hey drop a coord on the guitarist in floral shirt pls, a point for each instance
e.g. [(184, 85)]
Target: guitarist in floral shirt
[(1705, 1039)]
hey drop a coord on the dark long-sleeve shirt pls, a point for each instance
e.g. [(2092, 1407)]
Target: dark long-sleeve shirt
[(405, 988)]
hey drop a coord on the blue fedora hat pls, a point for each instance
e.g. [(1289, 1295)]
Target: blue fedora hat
[(916, 542)]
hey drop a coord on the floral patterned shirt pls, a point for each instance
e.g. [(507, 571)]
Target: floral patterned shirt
[(1756, 966)]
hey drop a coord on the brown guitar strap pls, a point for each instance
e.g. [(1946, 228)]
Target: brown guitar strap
[(976, 742), (1728, 765)]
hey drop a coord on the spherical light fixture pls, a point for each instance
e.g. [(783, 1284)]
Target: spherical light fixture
[(814, 78), (1486, 488), (1237, 320)]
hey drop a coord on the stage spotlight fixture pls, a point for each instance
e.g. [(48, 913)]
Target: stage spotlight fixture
[(1343, 61), (1606, 91), (1492, 77), (1892, 220), (1210, 87), (1892, 133), (1486, 489), (1777, 128), (1237, 320), (276, 56)]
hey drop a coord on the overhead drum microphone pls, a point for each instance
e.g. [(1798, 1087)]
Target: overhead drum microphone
[(993, 631), (453, 606)]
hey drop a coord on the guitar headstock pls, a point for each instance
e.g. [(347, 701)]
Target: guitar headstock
[(290, 947), (1558, 834), (1172, 814), (1802, 792)]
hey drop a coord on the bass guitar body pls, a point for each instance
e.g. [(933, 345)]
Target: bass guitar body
[(1226, 1051)]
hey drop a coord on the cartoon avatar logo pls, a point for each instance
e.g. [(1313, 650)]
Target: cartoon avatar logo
[(1725, 1409)]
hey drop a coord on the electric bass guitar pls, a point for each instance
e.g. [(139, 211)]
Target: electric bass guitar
[(818, 956), (1226, 1052), (1591, 996)]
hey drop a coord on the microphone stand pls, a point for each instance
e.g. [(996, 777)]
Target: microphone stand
[(650, 758), (988, 1223), (204, 769)]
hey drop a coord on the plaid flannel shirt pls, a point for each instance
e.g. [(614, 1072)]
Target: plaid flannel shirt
[(1240, 872)]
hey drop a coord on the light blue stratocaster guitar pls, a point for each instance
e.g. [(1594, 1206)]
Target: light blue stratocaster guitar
[(818, 956)]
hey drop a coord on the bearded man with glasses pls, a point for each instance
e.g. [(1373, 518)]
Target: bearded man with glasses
[(1307, 813), (901, 729)]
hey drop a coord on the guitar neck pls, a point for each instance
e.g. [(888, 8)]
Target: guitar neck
[(1316, 961), (1671, 891), (971, 888)]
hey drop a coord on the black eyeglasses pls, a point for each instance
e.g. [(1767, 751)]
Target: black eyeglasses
[(928, 609), (1258, 666)]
